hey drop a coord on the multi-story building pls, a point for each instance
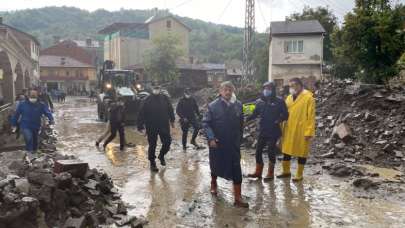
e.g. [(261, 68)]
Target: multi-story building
[(296, 50), (67, 74), (68, 67), (19, 67), (126, 43)]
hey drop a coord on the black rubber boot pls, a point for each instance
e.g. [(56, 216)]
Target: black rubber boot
[(153, 167)]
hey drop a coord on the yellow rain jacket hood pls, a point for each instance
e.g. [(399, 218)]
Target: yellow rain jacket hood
[(301, 123)]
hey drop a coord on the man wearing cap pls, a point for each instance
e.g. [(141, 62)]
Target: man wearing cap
[(157, 115), (188, 111), (272, 111), (223, 124)]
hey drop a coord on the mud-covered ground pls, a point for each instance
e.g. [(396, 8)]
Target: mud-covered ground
[(178, 196)]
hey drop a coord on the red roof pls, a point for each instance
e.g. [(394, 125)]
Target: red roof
[(69, 49)]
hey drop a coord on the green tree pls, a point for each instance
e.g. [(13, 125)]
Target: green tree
[(327, 19), (371, 41), (160, 60)]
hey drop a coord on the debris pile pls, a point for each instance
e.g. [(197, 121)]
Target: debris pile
[(356, 123), (53, 190), (47, 139), (205, 96), (361, 123)]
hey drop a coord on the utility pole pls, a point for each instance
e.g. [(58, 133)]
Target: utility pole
[(249, 42)]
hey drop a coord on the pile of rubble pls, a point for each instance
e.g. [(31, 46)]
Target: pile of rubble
[(356, 123), (361, 123), (205, 96), (57, 191), (47, 139)]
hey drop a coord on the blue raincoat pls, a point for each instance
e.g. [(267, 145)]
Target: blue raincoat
[(224, 122)]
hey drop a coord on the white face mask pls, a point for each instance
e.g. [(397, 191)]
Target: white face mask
[(33, 100), (156, 91), (293, 91), (233, 98), (186, 96)]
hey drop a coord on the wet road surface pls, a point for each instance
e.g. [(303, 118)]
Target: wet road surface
[(178, 196)]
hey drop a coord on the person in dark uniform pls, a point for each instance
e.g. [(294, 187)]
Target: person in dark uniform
[(272, 111), (157, 115), (117, 122), (45, 99), (189, 113), (223, 124)]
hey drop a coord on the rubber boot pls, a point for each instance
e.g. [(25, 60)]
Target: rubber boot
[(237, 189), (286, 170), (258, 172), (300, 171), (214, 186), (153, 167), (270, 172)]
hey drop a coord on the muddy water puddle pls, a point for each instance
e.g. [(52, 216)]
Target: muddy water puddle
[(178, 196)]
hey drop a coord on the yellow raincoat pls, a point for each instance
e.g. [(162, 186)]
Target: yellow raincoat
[(301, 123)]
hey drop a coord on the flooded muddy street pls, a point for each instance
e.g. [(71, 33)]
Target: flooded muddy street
[(178, 195)]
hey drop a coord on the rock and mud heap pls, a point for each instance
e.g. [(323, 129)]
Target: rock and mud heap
[(53, 190), (357, 124)]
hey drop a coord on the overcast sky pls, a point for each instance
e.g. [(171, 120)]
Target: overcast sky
[(230, 12)]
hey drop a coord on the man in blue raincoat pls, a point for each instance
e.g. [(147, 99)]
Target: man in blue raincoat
[(223, 124), (28, 115)]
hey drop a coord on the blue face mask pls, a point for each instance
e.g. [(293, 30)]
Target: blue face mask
[(267, 92)]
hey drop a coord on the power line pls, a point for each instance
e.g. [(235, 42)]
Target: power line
[(224, 10), (261, 12), (181, 4)]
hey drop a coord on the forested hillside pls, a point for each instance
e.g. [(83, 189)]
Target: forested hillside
[(209, 42)]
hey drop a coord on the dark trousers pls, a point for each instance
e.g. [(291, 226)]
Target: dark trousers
[(301, 161), (31, 139), (268, 143), (114, 128), (165, 138), (185, 126)]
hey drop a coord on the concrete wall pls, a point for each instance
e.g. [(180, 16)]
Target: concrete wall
[(125, 51), (283, 73), (112, 50), (284, 66), (132, 51), (159, 28), (128, 51)]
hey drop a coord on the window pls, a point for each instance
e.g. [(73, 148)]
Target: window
[(210, 78), (169, 24), (67, 73), (294, 46)]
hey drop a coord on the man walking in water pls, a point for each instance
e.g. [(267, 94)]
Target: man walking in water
[(157, 115), (223, 124), (188, 111)]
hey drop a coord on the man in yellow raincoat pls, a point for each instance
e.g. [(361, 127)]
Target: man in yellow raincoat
[(299, 130)]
